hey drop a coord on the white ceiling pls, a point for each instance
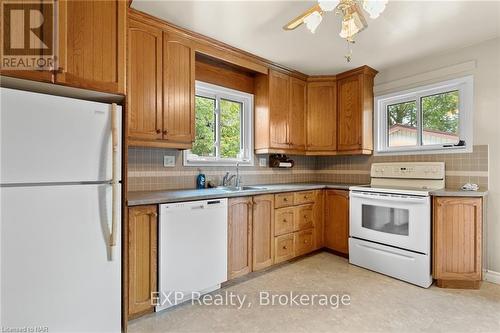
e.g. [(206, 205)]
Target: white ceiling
[(406, 30)]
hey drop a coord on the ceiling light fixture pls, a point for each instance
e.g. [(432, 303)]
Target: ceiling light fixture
[(353, 20)]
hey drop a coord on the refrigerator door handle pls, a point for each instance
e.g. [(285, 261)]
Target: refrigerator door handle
[(114, 180)]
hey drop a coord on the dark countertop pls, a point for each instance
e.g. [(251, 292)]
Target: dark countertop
[(449, 192), (159, 197)]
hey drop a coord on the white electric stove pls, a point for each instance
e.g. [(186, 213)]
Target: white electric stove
[(390, 220)]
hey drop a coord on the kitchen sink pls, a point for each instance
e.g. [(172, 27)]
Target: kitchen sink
[(241, 188)]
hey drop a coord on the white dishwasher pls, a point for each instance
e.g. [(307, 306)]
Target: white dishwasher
[(192, 250)]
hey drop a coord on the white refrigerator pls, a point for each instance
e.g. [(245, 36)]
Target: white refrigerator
[(60, 208)]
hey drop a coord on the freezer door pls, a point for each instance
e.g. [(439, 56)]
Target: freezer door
[(55, 269), (47, 139)]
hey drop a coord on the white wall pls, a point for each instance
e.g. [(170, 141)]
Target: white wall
[(483, 62)]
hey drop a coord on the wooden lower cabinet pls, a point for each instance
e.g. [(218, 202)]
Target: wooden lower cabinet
[(457, 241), (239, 237), (284, 248), (142, 235), (337, 220), (303, 241), (263, 226)]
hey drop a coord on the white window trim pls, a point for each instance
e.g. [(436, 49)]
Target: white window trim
[(214, 91), (464, 85)]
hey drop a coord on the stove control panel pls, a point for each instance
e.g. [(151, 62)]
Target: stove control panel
[(409, 170)]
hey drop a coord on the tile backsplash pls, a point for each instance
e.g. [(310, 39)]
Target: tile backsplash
[(146, 171)]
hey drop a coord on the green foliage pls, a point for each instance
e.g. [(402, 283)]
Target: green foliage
[(204, 144), (230, 128), (439, 113)]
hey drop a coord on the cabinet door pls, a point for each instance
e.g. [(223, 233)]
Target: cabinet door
[(240, 237), (319, 216), (92, 44), (349, 113), (178, 89), (457, 235), (144, 84), (337, 220), (263, 226), (34, 75), (279, 100), (297, 115), (142, 258), (322, 116)]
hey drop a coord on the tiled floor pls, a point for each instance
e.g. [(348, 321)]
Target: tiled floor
[(378, 304)]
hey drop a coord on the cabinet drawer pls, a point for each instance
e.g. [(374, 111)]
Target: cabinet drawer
[(300, 198), (283, 221), (304, 217), (284, 248), (283, 200), (303, 241)]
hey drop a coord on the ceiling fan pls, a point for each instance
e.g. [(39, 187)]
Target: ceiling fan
[(353, 20)]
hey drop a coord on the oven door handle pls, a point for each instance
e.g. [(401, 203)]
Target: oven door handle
[(389, 197)]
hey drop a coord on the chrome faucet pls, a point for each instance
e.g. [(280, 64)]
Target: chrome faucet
[(238, 179), (226, 180)]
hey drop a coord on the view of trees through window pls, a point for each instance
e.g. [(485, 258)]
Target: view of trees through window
[(208, 127), (440, 120)]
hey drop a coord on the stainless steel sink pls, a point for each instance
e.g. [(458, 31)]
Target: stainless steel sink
[(241, 188)]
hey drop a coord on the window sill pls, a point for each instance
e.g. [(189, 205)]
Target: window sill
[(218, 163), (423, 151)]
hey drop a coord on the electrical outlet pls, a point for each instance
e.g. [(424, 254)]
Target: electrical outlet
[(262, 162), (168, 161)]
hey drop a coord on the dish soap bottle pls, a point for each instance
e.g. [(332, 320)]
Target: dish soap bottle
[(200, 180)]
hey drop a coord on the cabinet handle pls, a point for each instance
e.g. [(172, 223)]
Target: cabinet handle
[(165, 132), (153, 214), (285, 199), (284, 247), (285, 221), (158, 131)]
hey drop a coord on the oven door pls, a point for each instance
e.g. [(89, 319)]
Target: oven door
[(402, 221)]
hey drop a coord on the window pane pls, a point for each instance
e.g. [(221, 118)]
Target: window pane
[(230, 128), (402, 121), (440, 116), (204, 144)]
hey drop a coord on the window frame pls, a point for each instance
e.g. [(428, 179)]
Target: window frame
[(464, 85), (216, 92)]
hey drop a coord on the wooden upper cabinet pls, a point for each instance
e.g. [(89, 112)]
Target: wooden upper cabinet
[(279, 103), (457, 235), (296, 134), (144, 84), (355, 110), (92, 44), (263, 228), (322, 116), (178, 89), (337, 221), (239, 237), (142, 258), (34, 75)]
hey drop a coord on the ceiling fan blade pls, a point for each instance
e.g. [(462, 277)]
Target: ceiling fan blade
[(300, 19)]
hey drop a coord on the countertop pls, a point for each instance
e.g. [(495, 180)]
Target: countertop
[(449, 192), (159, 197)]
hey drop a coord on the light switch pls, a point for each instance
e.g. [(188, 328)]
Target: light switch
[(168, 161), (262, 162)]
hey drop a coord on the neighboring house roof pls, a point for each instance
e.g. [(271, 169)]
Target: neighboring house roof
[(435, 133)]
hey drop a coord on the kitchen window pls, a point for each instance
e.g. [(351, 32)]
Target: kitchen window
[(430, 118), (223, 127)]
